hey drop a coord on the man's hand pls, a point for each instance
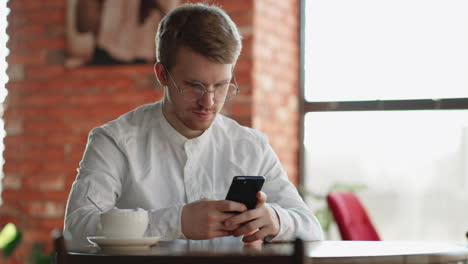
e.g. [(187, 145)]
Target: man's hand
[(255, 224), (204, 219)]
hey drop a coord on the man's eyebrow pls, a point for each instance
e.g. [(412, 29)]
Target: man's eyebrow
[(197, 81), (223, 81)]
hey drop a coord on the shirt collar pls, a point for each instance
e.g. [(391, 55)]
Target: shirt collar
[(178, 138)]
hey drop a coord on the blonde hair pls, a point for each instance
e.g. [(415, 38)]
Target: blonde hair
[(205, 29)]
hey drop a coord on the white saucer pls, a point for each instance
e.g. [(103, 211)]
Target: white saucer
[(106, 243)]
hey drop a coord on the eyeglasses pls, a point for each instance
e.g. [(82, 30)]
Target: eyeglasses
[(194, 91)]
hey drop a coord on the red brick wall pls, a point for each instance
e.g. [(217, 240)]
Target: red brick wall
[(51, 109), (276, 77)]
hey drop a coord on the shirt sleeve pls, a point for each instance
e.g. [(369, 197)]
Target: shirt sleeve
[(101, 178), (296, 219)]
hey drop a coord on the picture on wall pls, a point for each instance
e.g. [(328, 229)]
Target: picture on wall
[(113, 32)]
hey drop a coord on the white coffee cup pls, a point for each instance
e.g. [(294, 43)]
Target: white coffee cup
[(124, 223)]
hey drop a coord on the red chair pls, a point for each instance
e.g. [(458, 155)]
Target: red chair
[(351, 217)]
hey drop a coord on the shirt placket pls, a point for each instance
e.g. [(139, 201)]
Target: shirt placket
[(190, 179)]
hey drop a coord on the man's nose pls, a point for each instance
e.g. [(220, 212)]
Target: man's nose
[(207, 100)]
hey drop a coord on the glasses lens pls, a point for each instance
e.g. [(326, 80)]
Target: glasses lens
[(193, 92), (231, 91), (226, 92)]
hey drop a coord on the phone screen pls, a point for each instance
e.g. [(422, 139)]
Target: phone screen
[(244, 190)]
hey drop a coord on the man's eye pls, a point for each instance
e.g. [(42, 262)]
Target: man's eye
[(194, 85), (222, 86)]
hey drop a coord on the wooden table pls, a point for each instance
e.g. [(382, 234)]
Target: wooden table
[(323, 252), (383, 252)]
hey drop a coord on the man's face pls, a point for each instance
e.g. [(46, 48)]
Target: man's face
[(191, 118)]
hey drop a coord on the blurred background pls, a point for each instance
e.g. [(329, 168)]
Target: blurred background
[(386, 84), (367, 93)]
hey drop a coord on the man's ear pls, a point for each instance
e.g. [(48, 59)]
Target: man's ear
[(160, 73)]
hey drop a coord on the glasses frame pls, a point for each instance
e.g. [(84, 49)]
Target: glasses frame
[(237, 89)]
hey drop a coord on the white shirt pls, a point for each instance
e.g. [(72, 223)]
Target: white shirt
[(140, 161)]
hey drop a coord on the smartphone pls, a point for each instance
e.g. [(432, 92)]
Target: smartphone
[(244, 190)]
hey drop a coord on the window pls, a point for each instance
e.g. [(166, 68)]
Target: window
[(386, 104)]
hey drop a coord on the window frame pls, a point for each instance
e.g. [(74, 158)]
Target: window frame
[(365, 105)]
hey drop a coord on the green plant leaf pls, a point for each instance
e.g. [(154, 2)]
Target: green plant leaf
[(38, 255), (10, 247), (7, 235)]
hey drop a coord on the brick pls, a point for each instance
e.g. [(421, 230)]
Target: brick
[(14, 156), (43, 100), (21, 140), (98, 85), (244, 121), (73, 139), (44, 72), (27, 31), (62, 169), (243, 66), (20, 5), (34, 155), (45, 16), (63, 84), (14, 127), (109, 112), (44, 128), (11, 195), (11, 209), (46, 224), (15, 72), (243, 78), (11, 181), (16, 20), (31, 235), (45, 209), (242, 19), (242, 109), (84, 125), (23, 168), (147, 81), (139, 98), (38, 182), (106, 72), (35, 113), (236, 6), (74, 159), (7, 217), (90, 100), (25, 58), (55, 57), (55, 4), (20, 44), (55, 30)]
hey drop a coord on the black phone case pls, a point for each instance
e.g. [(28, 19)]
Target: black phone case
[(244, 190)]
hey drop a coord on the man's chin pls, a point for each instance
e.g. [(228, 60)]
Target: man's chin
[(200, 126)]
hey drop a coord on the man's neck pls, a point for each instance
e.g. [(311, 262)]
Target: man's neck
[(179, 126)]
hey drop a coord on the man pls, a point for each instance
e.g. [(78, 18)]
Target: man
[(176, 158)]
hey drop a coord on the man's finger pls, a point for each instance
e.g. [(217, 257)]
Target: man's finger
[(243, 217), (225, 216), (261, 234), (230, 206), (221, 233), (249, 227), (261, 199), (231, 228), (222, 226)]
